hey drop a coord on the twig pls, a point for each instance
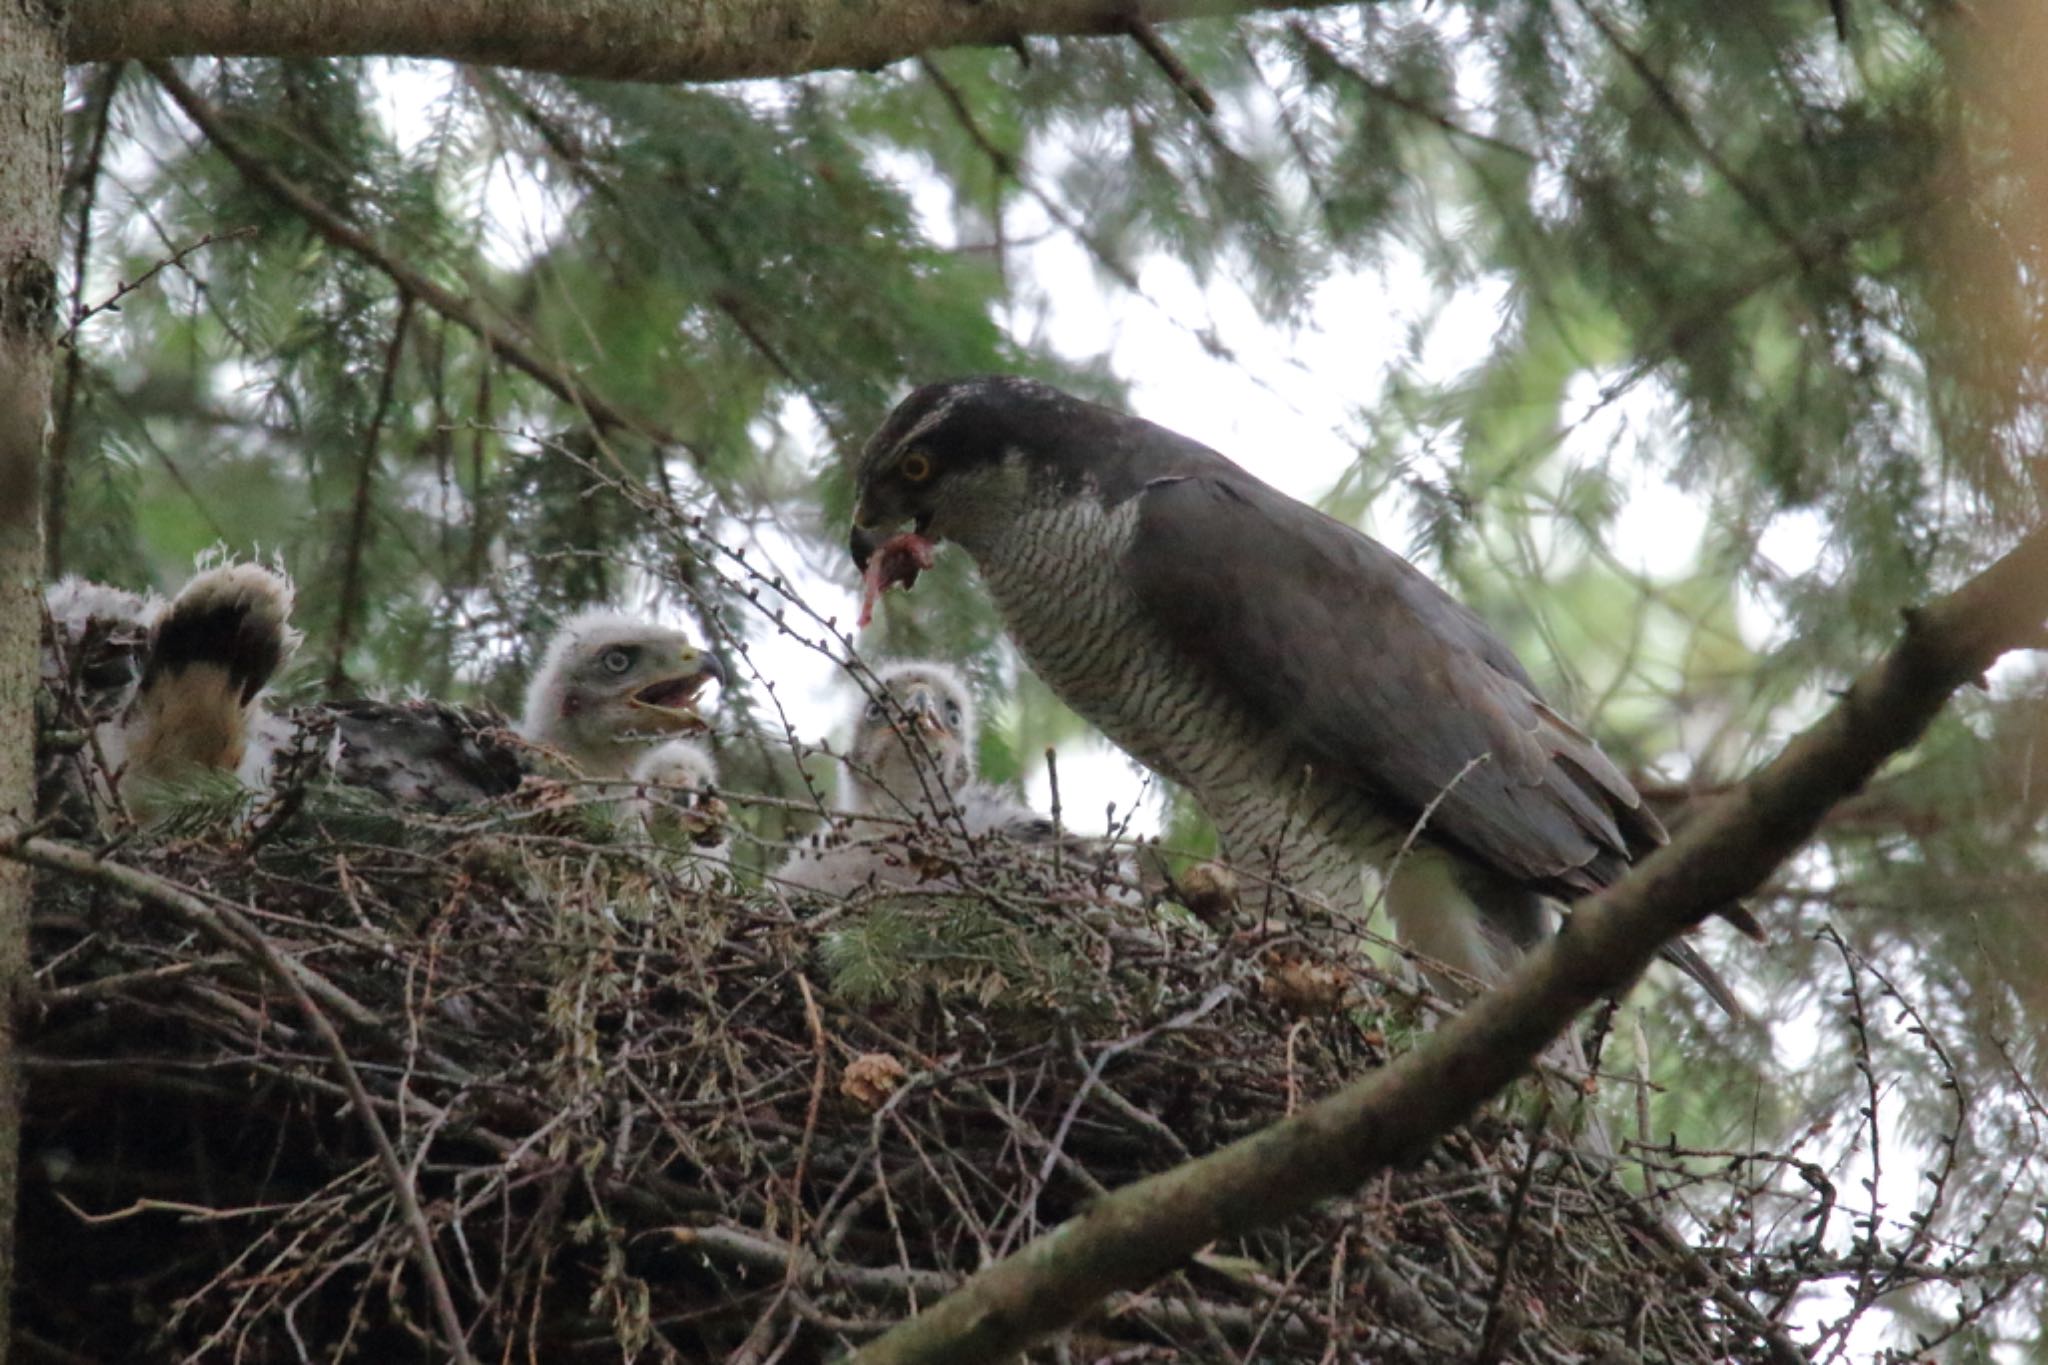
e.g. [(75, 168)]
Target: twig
[(1493, 1335), (1667, 100), (568, 148), (1641, 1039), (112, 303), (1778, 1345), (104, 987), (198, 1212), (259, 949), (1407, 104), (57, 471), (1004, 165), (1052, 775), (811, 1110), (463, 312), (359, 511), (889, 1283), (1186, 1019), (1184, 80)]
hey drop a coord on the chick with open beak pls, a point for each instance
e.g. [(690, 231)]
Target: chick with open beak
[(611, 685)]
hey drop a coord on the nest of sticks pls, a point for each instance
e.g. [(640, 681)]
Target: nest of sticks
[(321, 1090)]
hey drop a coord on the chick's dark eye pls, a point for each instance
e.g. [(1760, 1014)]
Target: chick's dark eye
[(916, 466), (876, 710), (617, 660), (953, 712)]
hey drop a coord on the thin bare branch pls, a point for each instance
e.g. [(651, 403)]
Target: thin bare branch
[(112, 303), (359, 511)]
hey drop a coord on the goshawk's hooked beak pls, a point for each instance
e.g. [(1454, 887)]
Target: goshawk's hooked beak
[(872, 532), (863, 543)]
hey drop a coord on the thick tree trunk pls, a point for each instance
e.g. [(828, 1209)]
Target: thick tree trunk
[(31, 107)]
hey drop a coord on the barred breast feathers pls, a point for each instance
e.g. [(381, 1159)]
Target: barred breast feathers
[(1083, 631)]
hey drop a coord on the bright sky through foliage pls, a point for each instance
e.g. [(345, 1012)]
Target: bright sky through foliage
[(1290, 404)]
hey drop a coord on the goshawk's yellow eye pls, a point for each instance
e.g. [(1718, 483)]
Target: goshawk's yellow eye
[(916, 466)]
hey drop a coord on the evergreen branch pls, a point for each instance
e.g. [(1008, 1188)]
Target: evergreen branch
[(57, 470), (1007, 167), (1130, 1238), (359, 512), (1674, 108), (1388, 94), (1176, 71), (650, 40), (568, 149), (330, 226), (1004, 165)]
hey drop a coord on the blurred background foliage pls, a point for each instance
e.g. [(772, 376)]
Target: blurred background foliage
[(491, 345)]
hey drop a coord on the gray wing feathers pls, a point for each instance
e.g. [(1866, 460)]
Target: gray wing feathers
[(1382, 679)]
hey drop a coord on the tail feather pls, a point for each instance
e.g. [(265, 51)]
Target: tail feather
[(1681, 955), (235, 618), (211, 653)]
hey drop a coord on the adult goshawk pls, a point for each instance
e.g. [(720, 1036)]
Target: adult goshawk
[(1318, 696)]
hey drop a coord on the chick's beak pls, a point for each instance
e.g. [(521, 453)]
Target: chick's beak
[(924, 712), (674, 698), (706, 666)]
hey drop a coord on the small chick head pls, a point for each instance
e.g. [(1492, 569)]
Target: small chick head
[(610, 685), (680, 803), (913, 741)]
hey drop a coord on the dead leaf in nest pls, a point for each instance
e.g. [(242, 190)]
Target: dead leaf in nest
[(871, 1078), (1301, 986), (705, 822), (1209, 890)]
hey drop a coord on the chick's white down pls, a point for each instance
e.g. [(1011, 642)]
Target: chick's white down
[(678, 801), (910, 766), (610, 686)]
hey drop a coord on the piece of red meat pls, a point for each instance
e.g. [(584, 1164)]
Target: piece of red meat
[(899, 559)]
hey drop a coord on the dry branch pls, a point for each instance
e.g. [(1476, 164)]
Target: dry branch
[(1137, 1234)]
